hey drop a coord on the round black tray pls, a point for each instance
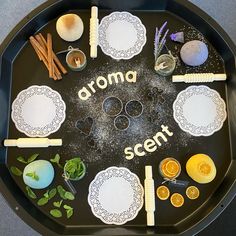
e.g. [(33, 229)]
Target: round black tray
[(16, 75)]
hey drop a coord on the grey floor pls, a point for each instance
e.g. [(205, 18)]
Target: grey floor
[(12, 11)]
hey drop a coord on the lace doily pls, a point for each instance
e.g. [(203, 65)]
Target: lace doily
[(199, 110), (121, 35), (115, 195), (38, 111)]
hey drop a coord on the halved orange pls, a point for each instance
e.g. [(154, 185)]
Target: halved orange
[(163, 192), (172, 167), (192, 192), (177, 200)]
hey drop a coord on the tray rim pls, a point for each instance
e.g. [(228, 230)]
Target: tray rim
[(214, 213)]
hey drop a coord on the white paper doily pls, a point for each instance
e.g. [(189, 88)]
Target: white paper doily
[(121, 35), (115, 195), (38, 111), (199, 110)]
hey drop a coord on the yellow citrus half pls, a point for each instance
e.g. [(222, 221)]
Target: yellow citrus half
[(163, 192), (177, 200), (192, 192)]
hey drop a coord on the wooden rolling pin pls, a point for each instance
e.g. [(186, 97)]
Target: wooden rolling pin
[(199, 78), (93, 35), (149, 196), (32, 142)]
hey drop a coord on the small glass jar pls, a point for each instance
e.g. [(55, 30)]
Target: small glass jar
[(169, 168)]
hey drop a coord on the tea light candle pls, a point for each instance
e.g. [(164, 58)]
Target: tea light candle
[(76, 60)]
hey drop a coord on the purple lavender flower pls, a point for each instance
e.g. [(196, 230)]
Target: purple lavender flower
[(159, 41)]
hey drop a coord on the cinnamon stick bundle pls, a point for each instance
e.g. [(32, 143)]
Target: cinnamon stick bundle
[(43, 49)]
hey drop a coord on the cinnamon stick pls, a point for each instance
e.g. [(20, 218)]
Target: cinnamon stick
[(42, 54), (55, 58), (43, 43), (50, 56), (37, 51)]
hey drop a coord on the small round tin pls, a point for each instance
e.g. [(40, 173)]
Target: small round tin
[(76, 59), (165, 65)]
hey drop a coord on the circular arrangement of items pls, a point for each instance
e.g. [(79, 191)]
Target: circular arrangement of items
[(38, 111), (121, 35), (199, 110), (115, 195), (142, 108)]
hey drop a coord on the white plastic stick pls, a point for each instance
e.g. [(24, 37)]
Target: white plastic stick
[(93, 36), (149, 196), (199, 78), (32, 142)]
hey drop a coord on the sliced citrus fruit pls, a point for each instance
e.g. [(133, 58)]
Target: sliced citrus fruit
[(172, 167), (177, 200), (192, 192), (163, 192)]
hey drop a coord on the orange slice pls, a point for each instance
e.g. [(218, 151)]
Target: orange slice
[(163, 192), (172, 167), (177, 200), (192, 192)]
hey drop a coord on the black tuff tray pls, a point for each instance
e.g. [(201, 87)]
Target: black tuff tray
[(20, 68)]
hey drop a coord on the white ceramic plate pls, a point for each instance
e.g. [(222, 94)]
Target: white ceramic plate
[(38, 111), (121, 35), (115, 195), (199, 110)]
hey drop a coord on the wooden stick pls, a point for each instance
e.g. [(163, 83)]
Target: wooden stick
[(50, 57), (55, 58)]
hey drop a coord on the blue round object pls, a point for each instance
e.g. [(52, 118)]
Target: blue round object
[(44, 172), (194, 53)]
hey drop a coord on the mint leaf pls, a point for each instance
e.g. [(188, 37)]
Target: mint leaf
[(69, 196), (57, 204), (33, 175), (56, 213), (67, 207), (52, 193), (21, 159), (46, 195), (33, 157), (69, 213), (61, 192), (42, 201), (15, 171), (56, 160), (30, 192)]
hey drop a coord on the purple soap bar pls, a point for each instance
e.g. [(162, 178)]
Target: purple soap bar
[(194, 53)]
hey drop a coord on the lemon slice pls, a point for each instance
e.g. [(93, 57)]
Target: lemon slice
[(163, 192), (177, 200), (192, 192)]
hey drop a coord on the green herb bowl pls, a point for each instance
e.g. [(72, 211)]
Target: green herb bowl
[(69, 166)]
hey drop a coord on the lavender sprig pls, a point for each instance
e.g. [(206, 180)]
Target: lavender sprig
[(158, 41)]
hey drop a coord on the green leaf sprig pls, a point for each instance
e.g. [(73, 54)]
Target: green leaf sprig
[(69, 211), (47, 196), (30, 192), (33, 175), (56, 160), (16, 171), (30, 159), (65, 194)]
